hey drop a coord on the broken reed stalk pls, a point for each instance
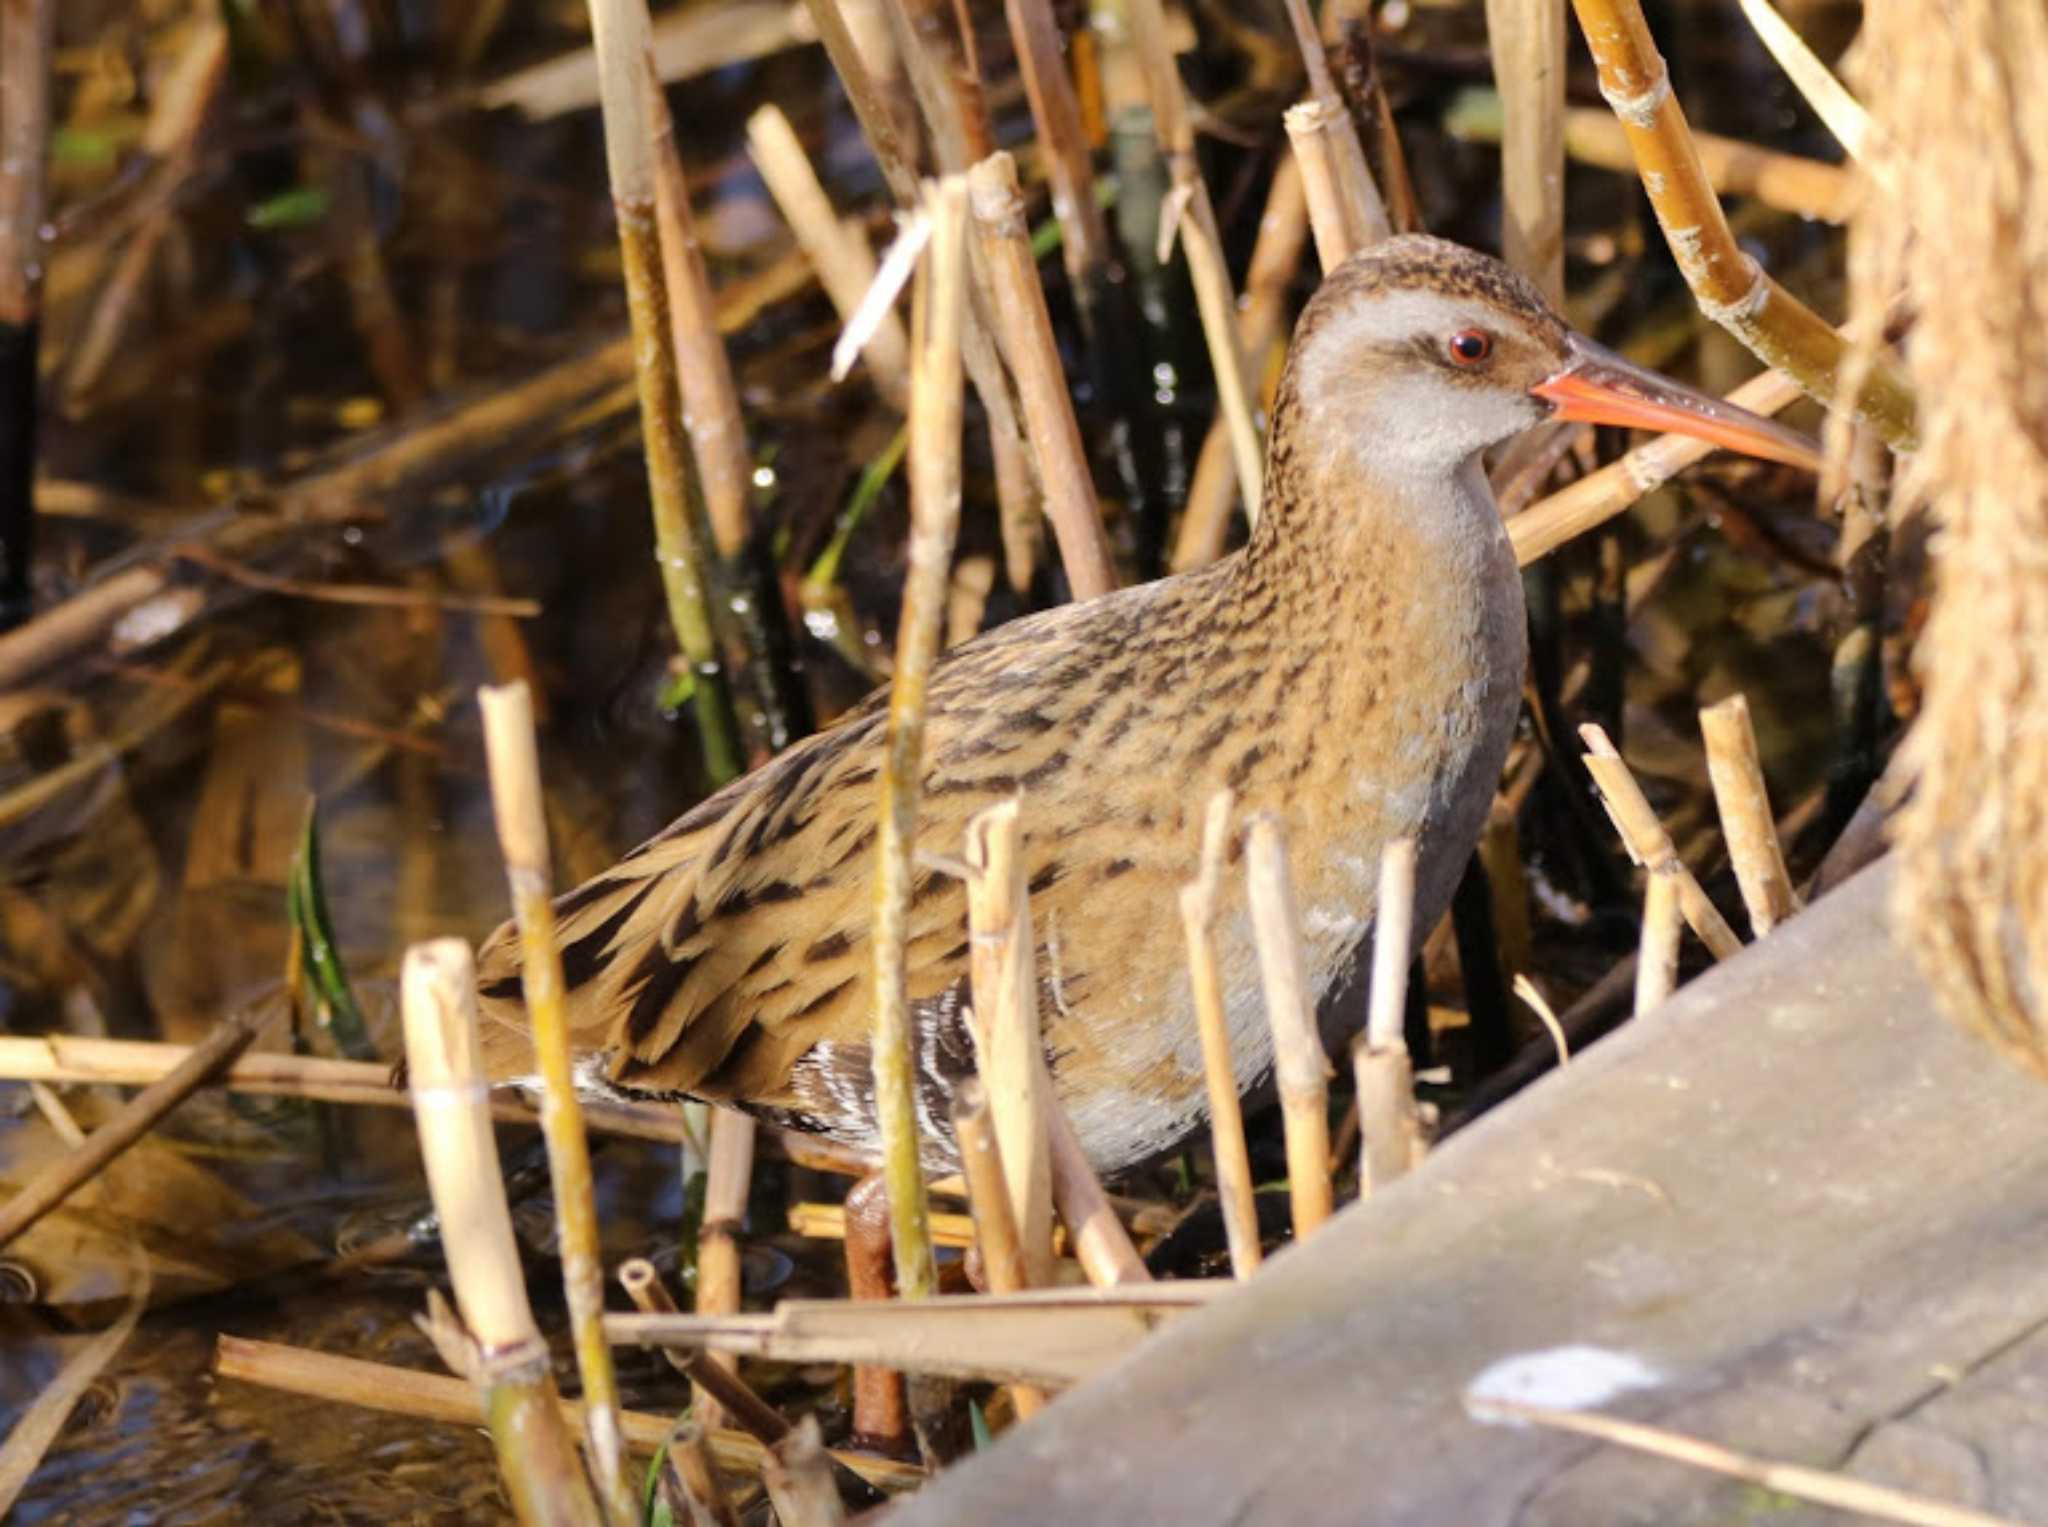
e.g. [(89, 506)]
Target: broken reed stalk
[(798, 1474), (1526, 39), (747, 1410), (1190, 213), (438, 1397), (1283, 233), (995, 1226), (1746, 822), (55, 1183), (1234, 1185), (704, 1502), (619, 29), (728, 1173), (1024, 335), (1840, 1491), (523, 838), (1657, 955), (938, 313), (1389, 1124), (1101, 1244), (1069, 158), (1728, 285), (26, 29), (711, 400), (1599, 496), (1792, 183), (509, 1362), (1009, 1043), (1310, 128), (1648, 844), (1299, 1065), (1365, 215), (1838, 111), (838, 251)]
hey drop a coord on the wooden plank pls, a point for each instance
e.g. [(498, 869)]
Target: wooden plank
[(1807, 1207)]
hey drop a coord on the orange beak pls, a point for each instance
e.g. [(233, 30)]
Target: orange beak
[(1599, 387)]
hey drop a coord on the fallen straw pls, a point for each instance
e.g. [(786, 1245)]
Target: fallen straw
[(136, 1118), (523, 837), (507, 1355), (1009, 1047), (1234, 1186), (995, 1227), (1389, 1125), (1299, 1064), (1745, 806), (1649, 844)]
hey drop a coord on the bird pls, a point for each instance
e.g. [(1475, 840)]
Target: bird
[(1355, 670)]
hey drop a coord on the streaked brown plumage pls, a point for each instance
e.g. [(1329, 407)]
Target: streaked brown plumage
[(1354, 670)]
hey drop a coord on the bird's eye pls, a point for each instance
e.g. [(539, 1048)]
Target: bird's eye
[(1469, 347)]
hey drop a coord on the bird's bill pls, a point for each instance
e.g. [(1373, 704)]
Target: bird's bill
[(1599, 387)]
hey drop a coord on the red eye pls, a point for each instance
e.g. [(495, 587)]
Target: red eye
[(1468, 347)]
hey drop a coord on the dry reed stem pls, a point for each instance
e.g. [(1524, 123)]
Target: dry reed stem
[(1746, 822), (619, 28), (64, 628), (1365, 215), (1838, 111), (934, 476), (26, 28), (1818, 1485), (1234, 1185), (1202, 242), (1299, 1065), (1963, 117), (995, 1225), (436, 1397), (729, 1170), (828, 1222), (509, 1361), (798, 1474), (1526, 39), (1009, 1043), (1728, 285), (1310, 127), (55, 1183), (1101, 1244), (838, 252), (1657, 956), (1805, 187), (1056, 113), (711, 400), (1389, 1124), (36, 1427), (1283, 233), (703, 1492), (1599, 496), (745, 1409), (1024, 334), (523, 839), (1648, 844)]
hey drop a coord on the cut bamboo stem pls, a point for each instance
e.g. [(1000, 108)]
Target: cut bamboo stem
[(1657, 956), (703, 1493), (619, 29), (50, 1187), (451, 1102), (1008, 1040), (1526, 38), (1648, 844), (838, 252), (1728, 285), (1101, 1244), (798, 1475), (1746, 821), (729, 1171), (1389, 1124), (523, 838), (995, 1226), (711, 400), (1299, 1065), (1840, 1491), (1199, 237), (934, 476), (1024, 334), (1234, 1186)]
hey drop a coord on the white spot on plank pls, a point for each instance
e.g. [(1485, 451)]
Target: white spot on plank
[(1575, 1377)]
